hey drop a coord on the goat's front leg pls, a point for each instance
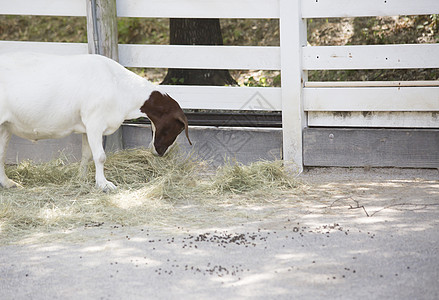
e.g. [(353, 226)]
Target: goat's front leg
[(4, 140), (95, 142)]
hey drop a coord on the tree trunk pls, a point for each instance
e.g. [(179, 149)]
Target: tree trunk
[(197, 32)]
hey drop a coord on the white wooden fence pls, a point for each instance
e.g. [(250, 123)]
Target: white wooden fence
[(303, 103)]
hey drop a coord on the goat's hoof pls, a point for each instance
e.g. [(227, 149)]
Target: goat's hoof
[(10, 184), (106, 186)]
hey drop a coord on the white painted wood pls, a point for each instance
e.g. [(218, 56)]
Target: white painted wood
[(44, 47), (364, 8), (374, 119), (317, 84), (198, 8), (220, 97), (102, 28), (292, 39), (166, 56), (43, 7), (371, 57), (198, 57), (149, 8), (225, 8), (372, 99)]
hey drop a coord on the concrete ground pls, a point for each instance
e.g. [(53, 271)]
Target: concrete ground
[(351, 234)]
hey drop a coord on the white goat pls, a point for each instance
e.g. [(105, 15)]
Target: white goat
[(47, 96)]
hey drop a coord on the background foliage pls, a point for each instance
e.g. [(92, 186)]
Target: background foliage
[(246, 32)]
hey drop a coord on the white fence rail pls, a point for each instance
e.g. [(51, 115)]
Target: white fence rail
[(150, 8), (170, 56), (226, 8), (370, 104), (369, 8), (371, 57), (373, 104)]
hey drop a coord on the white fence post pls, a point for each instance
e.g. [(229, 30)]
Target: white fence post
[(292, 39), (102, 28), (102, 39)]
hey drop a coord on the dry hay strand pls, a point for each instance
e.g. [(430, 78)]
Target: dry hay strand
[(29, 174), (151, 190), (257, 177)]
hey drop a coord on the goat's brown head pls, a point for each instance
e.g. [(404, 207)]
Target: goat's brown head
[(167, 121)]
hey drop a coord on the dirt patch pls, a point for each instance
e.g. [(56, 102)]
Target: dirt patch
[(352, 193), (371, 191), (346, 233)]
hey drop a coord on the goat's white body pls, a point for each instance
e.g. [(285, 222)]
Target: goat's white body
[(47, 96)]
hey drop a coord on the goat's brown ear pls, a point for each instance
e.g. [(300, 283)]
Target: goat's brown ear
[(186, 128)]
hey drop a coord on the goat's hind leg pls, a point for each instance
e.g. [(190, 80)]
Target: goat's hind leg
[(86, 157), (4, 140)]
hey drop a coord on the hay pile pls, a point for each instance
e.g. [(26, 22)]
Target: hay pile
[(150, 189)]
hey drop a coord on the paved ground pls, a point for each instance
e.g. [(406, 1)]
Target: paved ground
[(353, 234)]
